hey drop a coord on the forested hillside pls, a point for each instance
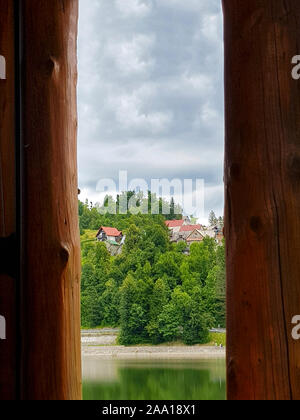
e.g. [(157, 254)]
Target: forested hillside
[(152, 291)]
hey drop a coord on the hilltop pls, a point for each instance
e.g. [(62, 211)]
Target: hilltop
[(152, 290)]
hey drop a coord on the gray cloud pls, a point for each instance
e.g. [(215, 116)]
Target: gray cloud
[(150, 95)]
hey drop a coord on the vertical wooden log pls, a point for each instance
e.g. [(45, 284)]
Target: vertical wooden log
[(51, 286), (7, 199), (262, 170)]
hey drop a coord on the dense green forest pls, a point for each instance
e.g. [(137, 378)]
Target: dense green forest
[(153, 291)]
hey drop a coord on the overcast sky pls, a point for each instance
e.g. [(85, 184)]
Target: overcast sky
[(150, 93)]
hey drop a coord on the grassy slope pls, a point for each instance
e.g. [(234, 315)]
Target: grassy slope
[(88, 236)]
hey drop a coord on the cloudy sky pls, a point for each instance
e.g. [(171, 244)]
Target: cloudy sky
[(150, 94)]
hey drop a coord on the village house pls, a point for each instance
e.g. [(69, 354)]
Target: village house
[(189, 234), (113, 239), (215, 232), (174, 225), (195, 236), (180, 231), (109, 234), (190, 228)]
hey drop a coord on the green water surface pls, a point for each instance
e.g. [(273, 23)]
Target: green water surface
[(154, 380)]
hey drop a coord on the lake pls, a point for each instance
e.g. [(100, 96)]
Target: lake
[(153, 379)]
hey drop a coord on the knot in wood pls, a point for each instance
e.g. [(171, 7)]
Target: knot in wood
[(64, 254), (256, 224), (51, 66)]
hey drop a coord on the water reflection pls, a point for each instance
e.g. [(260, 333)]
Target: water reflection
[(153, 379)]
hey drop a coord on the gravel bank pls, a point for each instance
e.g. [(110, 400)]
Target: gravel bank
[(102, 344), (153, 352)]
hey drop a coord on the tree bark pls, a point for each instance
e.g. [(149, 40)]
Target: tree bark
[(51, 357), (7, 202), (262, 174)]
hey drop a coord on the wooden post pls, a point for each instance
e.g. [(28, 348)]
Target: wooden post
[(262, 172), (7, 202), (51, 357)]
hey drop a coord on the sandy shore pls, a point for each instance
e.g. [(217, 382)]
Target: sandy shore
[(153, 352)]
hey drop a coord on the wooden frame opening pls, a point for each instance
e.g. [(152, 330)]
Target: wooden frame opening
[(40, 359)]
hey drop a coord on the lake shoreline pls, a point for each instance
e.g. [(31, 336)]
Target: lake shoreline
[(153, 352), (102, 344), (169, 371)]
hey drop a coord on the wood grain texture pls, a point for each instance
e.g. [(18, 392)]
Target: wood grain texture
[(262, 175), (7, 199), (51, 356)]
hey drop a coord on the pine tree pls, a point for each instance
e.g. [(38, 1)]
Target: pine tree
[(172, 209), (213, 221)]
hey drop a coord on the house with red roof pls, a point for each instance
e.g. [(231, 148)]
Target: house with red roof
[(194, 236), (189, 234), (184, 231), (109, 234), (174, 225), (190, 228)]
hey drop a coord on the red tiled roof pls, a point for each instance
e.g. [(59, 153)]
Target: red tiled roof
[(174, 223), (110, 231), (190, 228)]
